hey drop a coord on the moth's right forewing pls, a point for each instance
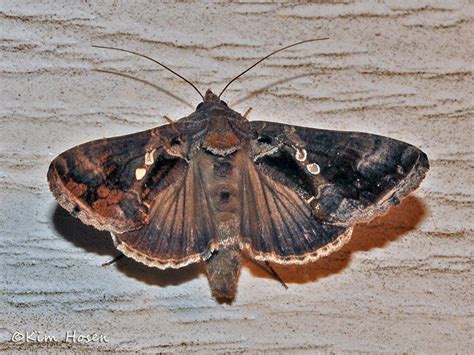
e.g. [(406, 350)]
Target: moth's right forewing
[(305, 188), (347, 177)]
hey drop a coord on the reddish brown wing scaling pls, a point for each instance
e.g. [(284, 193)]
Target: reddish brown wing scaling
[(108, 183)]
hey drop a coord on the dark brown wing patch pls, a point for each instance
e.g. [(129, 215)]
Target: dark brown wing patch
[(141, 188), (348, 177), (277, 225), (306, 188)]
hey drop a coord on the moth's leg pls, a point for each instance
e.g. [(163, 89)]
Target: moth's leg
[(269, 270), (114, 260), (247, 112), (169, 120), (275, 275)]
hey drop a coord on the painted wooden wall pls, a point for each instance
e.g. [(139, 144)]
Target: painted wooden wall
[(400, 69)]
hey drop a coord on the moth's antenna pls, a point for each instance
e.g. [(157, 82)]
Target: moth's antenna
[(147, 83), (157, 62), (272, 53)]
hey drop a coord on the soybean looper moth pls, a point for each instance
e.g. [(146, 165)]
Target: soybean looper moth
[(214, 185)]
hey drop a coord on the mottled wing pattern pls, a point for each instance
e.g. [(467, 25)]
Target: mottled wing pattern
[(110, 183), (152, 202), (96, 181), (341, 178), (181, 226)]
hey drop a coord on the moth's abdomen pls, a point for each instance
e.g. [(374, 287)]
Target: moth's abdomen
[(222, 184), (222, 270), (221, 177)]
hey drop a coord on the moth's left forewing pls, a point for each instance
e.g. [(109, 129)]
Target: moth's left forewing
[(145, 189), (105, 183)]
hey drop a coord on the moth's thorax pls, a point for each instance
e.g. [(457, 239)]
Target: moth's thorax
[(220, 138), (226, 132), (221, 130)]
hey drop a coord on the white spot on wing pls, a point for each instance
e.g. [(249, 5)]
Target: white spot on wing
[(301, 154), (140, 173), (149, 157), (313, 168)]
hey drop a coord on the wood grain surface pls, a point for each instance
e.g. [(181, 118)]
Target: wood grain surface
[(400, 69)]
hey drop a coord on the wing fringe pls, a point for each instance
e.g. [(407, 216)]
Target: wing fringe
[(312, 256)]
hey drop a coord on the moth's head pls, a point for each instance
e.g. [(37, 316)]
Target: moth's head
[(210, 99)]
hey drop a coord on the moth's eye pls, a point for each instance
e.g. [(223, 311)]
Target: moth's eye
[(264, 139), (199, 106), (224, 103), (176, 141)]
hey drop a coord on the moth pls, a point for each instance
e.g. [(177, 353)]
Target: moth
[(214, 186)]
